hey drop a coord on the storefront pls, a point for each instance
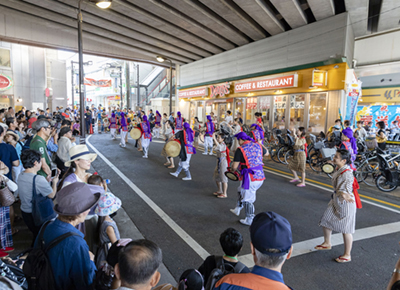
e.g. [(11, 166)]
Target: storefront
[(308, 97)]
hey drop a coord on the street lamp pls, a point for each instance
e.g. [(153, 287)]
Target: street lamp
[(109, 65), (162, 59), (102, 4)]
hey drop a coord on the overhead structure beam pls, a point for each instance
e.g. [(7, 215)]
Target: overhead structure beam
[(322, 8), (358, 11), (291, 12), (390, 15), (262, 14)]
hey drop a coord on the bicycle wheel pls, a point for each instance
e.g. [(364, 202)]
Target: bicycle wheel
[(357, 173), (274, 154), (369, 172), (281, 154), (288, 156), (383, 185), (315, 162)]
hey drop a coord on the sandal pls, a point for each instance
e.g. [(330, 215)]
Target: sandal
[(294, 180), (322, 248), (342, 260), (171, 166), (222, 196), (217, 193), (301, 185), (167, 163)]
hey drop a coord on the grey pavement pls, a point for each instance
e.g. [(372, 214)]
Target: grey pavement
[(203, 217)]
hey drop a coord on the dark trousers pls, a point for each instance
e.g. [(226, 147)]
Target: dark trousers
[(87, 126), (28, 219)]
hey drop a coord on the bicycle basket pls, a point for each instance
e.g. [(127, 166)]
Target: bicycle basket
[(319, 145), (328, 152)]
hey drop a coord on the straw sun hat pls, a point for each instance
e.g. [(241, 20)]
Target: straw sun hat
[(80, 152)]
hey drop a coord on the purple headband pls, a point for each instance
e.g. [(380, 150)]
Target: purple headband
[(179, 114), (256, 126), (349, 134), (209, 118), (243, 136), (113, 115), (189, 131), (123, 122), (158, 113)]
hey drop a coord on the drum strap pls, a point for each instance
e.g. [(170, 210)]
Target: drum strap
[(356, 187)]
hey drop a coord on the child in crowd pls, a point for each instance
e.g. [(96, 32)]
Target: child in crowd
[(106, 226), (223, 161), (231, 242), (191, 279)]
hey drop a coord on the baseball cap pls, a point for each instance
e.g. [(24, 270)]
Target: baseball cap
[(269, 230)]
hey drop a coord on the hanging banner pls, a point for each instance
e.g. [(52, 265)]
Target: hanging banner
[(98, 83), (6, 82), (375, 114), (353, 94)]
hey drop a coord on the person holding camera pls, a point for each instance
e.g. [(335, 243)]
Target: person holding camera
[(32, 162)]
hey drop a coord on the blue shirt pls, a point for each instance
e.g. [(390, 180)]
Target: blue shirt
[(8, 155), (51, 147), (260, 278), (70, 260)]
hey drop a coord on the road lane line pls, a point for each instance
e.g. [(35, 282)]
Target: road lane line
[(328, 187), (169, 221), (306, 247)]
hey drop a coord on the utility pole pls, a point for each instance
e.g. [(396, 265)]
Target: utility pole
[(72, 84), (128, 85), (138, 86)]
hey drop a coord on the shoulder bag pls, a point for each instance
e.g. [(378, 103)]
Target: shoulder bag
[(42, 206), (6, 196)]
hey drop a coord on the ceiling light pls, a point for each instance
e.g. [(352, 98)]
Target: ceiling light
[(160, 58), (103, 4)]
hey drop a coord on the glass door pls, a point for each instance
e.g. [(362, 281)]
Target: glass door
[(192, 113), (264, 105), (239, 109), (251, 109), (279, 112), (296, 119), (317, 114)]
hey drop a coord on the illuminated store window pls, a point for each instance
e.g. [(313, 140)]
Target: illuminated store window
[(297, 103), (264, 105), (317, 115), (239, 108), (279, 111), (251, 109)]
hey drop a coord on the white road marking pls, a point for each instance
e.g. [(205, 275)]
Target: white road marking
[(306, 247), (173, 225)]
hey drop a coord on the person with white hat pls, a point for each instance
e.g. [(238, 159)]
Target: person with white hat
[(80, 161)]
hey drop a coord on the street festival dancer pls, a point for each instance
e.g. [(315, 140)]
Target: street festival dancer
[(113, 125), (146, 136), (249, 157), (123, 122), (157, 125), (178, 122), (208, 140), (186, 138), (223, 161), (258, 133)]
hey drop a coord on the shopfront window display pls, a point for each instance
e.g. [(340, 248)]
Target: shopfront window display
[(251, 109), (279, 111), (297, 103), (264, 105), (317, 113), (239, 109)]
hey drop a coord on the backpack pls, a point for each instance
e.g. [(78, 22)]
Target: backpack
[(37, 266), (221, 270)]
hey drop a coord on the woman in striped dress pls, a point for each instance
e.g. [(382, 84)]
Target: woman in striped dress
[(298, 162), (340, 216)]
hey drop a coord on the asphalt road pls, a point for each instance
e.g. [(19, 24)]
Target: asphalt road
[(161, 200)]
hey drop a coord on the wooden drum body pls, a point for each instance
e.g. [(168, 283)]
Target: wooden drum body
[(135, 133)]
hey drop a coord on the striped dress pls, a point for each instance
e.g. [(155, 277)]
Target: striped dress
[(340, 216)]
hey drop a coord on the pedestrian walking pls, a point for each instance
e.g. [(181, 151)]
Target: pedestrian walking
[(223, 161), (123, 122), (113, 125), (340, 216), (157, 125), (208, 140), (178, 123), (298, 162), (146, 136)]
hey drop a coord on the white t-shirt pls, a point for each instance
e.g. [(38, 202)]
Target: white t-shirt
[(229, 119), (25, 189)]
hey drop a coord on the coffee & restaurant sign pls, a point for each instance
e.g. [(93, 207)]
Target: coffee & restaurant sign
[(289, 81), (6, 82), (202, 92)]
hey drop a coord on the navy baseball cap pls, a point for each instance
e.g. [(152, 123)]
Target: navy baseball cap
[(269, 230)]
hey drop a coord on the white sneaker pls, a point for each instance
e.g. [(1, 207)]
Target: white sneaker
[(187, 178), (120, 144), (210, 153), (247, 221), (174, 174), (145, 156), (205, 153), (236, 211)]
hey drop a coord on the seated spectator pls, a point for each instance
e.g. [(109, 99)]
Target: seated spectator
[(138, 264), (271, 246), (31, 160), (190, 280), (71, 261), (231, 242)]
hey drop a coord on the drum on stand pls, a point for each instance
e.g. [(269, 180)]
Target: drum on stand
[(135, 133), (173, 148), (232, 175)]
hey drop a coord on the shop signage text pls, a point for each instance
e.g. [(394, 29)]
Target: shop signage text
[(5, 82), (98, 83), (391, 94), (193, 93), (221, 90), (267, 84), (251, 103), (318, 78)]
